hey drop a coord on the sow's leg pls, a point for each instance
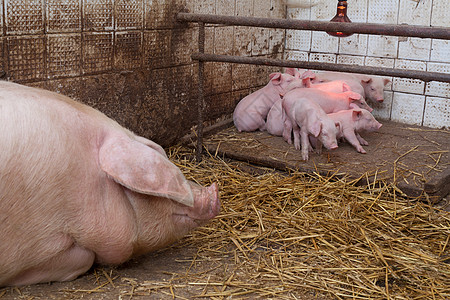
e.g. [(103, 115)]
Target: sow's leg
[(65, 266)]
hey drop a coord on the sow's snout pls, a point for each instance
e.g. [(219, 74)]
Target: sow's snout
[(206, 204)]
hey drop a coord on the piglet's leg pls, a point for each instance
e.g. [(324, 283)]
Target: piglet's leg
[(287, 131), (296, 132), (305, 143), (352, 139), (65, 266), (361, 140)]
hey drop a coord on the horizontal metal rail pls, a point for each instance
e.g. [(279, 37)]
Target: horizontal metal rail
[(364, 28), (422, 75), (367, 28)]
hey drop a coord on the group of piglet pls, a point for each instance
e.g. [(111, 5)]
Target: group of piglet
[(317, 109)]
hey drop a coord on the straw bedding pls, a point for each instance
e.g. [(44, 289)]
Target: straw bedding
[(290, 235)]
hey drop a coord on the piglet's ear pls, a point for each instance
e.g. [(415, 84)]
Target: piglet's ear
[(366, 80), (353, 95), (386, 81), (316, 128), (356, 114), (345, 87), (143, 169), (275, 78), (292, 71)]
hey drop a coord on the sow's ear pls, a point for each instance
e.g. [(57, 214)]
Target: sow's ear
[(143, 169)]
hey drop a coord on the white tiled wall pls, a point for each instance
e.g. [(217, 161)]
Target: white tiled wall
[(407, 100)]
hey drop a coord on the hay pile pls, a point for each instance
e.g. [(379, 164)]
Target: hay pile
[(291, 235)]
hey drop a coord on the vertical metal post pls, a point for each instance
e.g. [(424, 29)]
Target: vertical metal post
[(200, 103)]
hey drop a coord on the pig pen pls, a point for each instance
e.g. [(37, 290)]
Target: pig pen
[(283, 235), (328, 229)]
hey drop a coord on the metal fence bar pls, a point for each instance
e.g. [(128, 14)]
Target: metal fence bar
[(422, 75), (367, 28), (201, 82)]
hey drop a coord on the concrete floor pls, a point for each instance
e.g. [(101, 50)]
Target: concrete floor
[(416, 158)]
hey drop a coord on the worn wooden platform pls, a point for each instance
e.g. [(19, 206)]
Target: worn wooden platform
[(416, 158)]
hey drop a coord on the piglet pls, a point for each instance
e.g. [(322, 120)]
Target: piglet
[(275, 121), (76, 189), (251, 112), (370, 87), (307, 118), (353, 122)]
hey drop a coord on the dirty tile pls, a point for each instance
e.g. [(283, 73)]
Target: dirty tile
[(97, 52), (24, 16), (355, 44), (382, 46), (128, 50), (260, 41), (98, 15), (414, 48), (437, 112), (261, 8), (322, 57), (223, 40), (350, 60), (379, 62), (200, 7), (298, 40), (299, 13), (296, 55), (415, 12), (242, 41), (437, 88), (26, 58), (408, 108), (439, 13), (160, 13), (322, 42), (129, 14), (63, 55), (225, 7), (357, 10), (63, 15), (156, 46), (276, 41), (240, 76), (244, 8), (217, 78), (324, 11), (382, 11), (440, 51), (183, 43), (277, 10), (409, 85)]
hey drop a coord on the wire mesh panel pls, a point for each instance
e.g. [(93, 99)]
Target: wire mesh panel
[(64, 55), (63, 15), (26, 57), (129, 14), (128, 50), (97, 52), (24, 16), (98, 14)]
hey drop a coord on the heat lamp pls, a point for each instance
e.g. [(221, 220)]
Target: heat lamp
[(341, 16)]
